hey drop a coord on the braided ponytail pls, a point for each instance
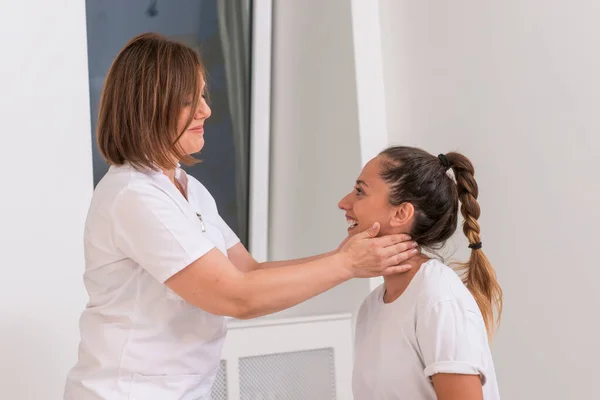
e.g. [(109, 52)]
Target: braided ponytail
[(478, 274)]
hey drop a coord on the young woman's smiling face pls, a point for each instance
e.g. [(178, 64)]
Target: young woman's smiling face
[(368, 203)]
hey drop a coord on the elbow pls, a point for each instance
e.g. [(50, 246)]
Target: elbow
[(241, 306), (240, 310), (243, 315)]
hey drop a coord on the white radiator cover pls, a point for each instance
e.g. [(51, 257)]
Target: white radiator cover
[(287, 359)]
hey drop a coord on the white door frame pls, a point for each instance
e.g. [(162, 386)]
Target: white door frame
[(370, 90), (260, 127)]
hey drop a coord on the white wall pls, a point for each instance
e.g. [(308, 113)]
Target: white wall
[(515, 86), (47, 183), (315, 152)]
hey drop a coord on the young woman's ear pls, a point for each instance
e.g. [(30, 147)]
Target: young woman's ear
[(403, 215)]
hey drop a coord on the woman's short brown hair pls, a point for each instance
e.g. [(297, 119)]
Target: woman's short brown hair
[(149, 82)]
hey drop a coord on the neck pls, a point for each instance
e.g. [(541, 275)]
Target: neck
[(170, 173), (396, 284)]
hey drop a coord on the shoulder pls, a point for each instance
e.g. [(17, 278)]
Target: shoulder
[(121, 178), (440, 283), (119, 182), (446, 307), (124, 190), (123, 201)]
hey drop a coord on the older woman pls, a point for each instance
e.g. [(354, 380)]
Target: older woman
[(162, 267)]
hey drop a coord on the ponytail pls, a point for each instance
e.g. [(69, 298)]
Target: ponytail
[(478, 274)]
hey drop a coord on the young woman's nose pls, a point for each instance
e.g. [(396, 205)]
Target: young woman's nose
[(344, 204)]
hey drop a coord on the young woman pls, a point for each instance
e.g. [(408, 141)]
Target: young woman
[(423, 334), (162, 267)]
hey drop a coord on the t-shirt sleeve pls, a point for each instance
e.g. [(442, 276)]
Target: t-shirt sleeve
[(452, 339), (153, 231)]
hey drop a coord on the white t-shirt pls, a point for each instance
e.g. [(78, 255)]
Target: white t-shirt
[(434, 327), (139, 339)]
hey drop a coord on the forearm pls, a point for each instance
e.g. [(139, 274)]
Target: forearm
[(266, 291), (284, 263)]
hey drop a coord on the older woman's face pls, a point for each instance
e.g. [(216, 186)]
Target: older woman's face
[(192, 140)]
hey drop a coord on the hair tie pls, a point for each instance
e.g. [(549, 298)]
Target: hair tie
[(476, 246), (444, 161)]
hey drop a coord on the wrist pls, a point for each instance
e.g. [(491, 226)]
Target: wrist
[(344, 263)]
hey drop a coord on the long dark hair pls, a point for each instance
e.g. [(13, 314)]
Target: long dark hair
[(417, 177)]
